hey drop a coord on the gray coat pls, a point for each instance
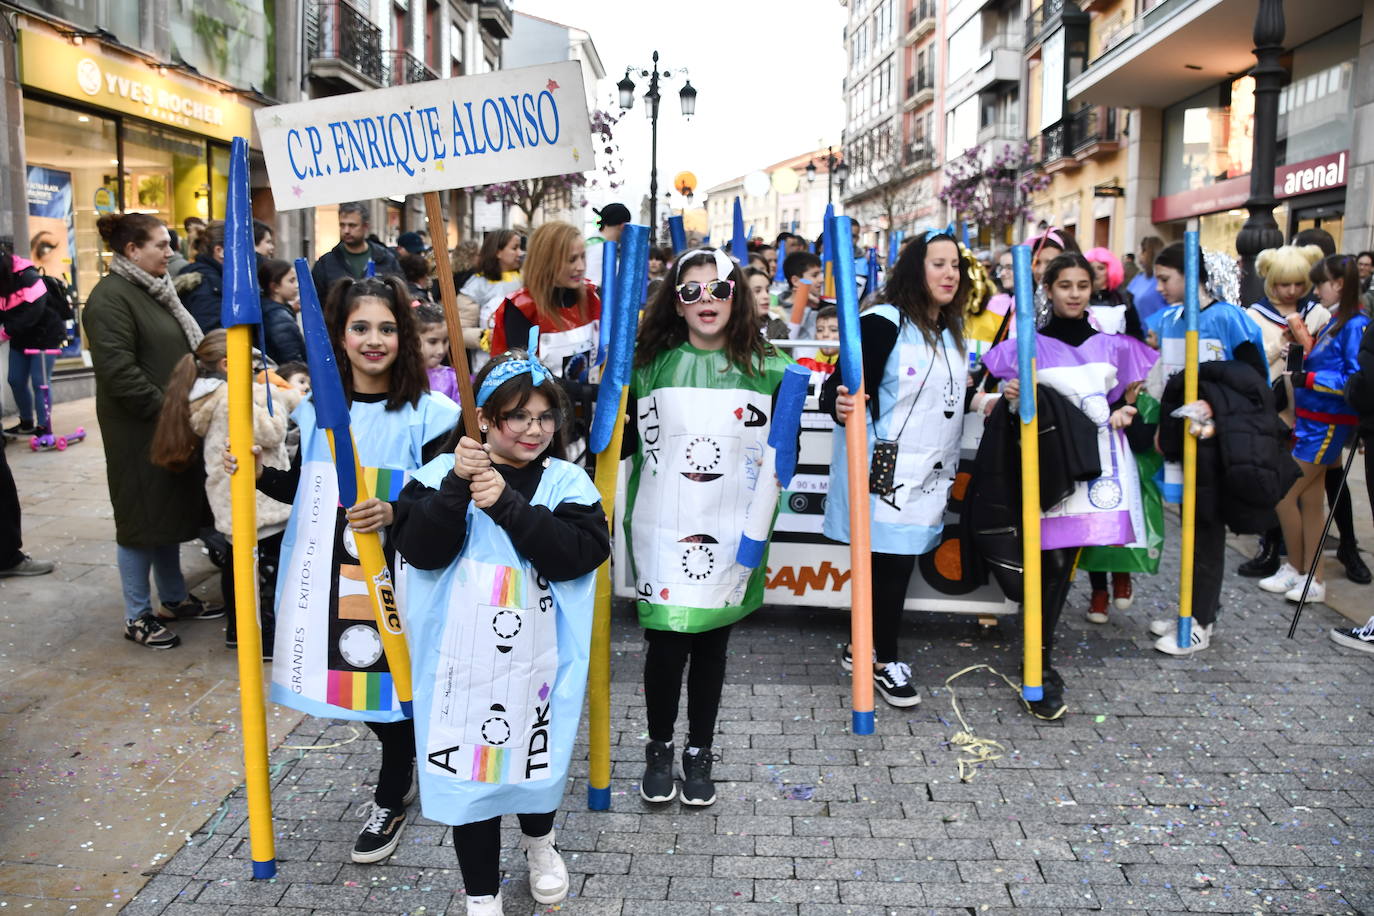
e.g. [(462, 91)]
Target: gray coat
[(134, 344)]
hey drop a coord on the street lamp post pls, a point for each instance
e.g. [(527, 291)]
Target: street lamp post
[(1261, 231), (835, 168), (687, 96)]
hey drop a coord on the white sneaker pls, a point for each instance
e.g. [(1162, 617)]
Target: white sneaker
[(1168, 643), (1169, 625), (548, 874), (1316, 594), (1283, 580), (489, 905)]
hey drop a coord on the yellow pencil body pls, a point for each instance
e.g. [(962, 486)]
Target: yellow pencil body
[(599, 674), (383, 594), (1032, 674), (1189, 533), (244, 505)]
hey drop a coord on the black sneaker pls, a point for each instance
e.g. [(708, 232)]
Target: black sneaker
[(380, 835), (1355, 569), (658, 784), (21, 430), (190, 608), (697, 787), (1265, 562), (847, 659), (1361, 638), (1050, 706), (894, 683), (148, 631)]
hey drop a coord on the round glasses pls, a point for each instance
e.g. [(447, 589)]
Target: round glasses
[(519, 421), (719, 290)]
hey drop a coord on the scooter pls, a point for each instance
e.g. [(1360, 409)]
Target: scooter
[(47, 441)]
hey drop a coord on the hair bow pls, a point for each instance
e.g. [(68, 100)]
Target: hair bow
[(948, 230), (505, 371)]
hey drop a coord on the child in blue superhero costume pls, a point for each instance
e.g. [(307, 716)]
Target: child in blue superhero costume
[(1325, 424), (332, 664), (503, 541)]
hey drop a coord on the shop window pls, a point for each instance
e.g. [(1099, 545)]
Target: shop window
[(165, 174), (73, 177)]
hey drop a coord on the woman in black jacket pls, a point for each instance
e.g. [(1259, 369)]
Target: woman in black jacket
[(278, 284)]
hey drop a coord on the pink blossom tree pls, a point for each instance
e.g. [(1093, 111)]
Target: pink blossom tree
[(992, 189), (530, 194)]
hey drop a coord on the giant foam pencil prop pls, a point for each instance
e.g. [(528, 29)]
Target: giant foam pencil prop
[(1032, 675), (1188, 536), (856, 460), (871, 278), (678, 233), (894, 245), (331, 414), (448, 295), (739, 243), (779, 464), (240, 312), (608, 426)]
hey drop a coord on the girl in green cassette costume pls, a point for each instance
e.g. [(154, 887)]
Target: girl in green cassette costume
[(701, 402)]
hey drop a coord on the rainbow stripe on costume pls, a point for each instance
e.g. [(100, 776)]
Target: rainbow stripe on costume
[(384, 483), (360, 690), (488, 764), (508, 587)]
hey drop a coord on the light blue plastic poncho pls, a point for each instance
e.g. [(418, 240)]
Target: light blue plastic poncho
[(500, 666)]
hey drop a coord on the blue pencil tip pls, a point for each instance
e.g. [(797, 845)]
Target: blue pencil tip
[(598, 799), (863, 723), (407, 709), (264, 870), (1032, 694)]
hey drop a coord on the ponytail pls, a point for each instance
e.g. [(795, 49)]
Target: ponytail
[(174, 443)]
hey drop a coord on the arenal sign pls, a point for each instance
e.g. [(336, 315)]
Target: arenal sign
[(1289, 181), (455, 133)]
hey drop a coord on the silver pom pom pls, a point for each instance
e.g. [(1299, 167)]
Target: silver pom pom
[(1223, 276)]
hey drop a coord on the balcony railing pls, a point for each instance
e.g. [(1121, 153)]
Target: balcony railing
[(336, 31), (922, 11), (406, 68), (1091, 126), (1041, 18)]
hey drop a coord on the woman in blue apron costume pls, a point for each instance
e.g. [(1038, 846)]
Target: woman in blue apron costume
[(330, 661), (1325, 425), (502, 542), (1094, 372), (700, 410), (916, 377)]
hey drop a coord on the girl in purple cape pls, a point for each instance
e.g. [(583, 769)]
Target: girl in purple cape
[(1100, 374)]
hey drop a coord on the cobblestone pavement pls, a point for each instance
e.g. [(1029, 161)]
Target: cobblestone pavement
[(1238, 781)]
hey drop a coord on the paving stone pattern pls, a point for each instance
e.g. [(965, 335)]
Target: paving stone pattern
[(1238, 781)]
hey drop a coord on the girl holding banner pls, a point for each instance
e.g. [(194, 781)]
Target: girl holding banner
[(700, 407), (1096, 374), (329, 650), (916, 376), (503, 539)]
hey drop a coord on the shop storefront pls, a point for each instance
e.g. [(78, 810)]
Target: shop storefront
[(1208, 143), (105, 132)]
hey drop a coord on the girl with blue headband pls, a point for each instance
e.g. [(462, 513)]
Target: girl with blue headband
[(503, 539)]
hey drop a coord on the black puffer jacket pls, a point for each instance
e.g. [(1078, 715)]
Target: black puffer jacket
[(1359, 388), (200, 286), (992, 506), (1246, 468)]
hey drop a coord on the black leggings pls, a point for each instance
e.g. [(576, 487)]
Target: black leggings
[(891, 577), (663, 666), (398, 761), (478, 846), (1056, 575), (269, 559), (1345, 516)]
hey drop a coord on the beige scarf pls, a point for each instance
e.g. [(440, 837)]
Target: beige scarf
[(161, 289)]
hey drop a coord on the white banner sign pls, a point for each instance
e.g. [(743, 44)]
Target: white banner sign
[(431, 136)]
